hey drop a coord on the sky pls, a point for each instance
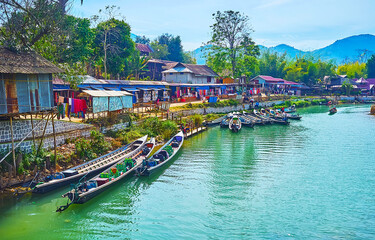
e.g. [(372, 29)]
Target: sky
[(303, 24)]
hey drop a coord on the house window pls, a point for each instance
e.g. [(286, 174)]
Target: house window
[(208, 79), (170, 73), (181, 73)]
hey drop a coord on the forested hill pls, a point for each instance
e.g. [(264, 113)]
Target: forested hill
[(348, 49)]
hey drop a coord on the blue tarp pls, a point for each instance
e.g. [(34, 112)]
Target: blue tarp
[(203, 88), (130, 89), (60, 87)]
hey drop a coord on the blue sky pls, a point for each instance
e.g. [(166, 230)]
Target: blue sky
[(304, 24)]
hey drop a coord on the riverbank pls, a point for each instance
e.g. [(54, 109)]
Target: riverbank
[(259, 183), (77, 150)]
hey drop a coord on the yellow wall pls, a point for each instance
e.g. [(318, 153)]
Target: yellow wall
[(228, 80)]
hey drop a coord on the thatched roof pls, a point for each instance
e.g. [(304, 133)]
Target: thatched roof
[(25, 62)]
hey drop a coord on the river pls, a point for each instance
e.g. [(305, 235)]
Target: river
[(313, 179)]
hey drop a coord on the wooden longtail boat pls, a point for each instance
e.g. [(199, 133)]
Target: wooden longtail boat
[(88, 169), (96, 185), (162, 156), (332, 110), (235, 124)]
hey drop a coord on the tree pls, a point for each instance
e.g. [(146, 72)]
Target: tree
[(347, 87), (136, 64), (188, 58), (142, 39), (113, 42), (352, 70), (160, 50), (231, 40), (371, 67), (73, 45), (272, 64), (174, 47), (25, 22)]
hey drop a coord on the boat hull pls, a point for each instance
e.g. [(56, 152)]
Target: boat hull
[(151, 170)]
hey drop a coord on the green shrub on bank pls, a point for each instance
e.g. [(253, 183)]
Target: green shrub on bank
[(301, 103), (151, 126), (221, 103)]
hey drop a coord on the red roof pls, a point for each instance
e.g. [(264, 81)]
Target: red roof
[(271, 79), (144, 48)]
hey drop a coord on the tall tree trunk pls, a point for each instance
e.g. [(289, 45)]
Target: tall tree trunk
[(105, 55)]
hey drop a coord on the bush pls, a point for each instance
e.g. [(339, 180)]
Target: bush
[(197, 119), (168, 129), (83, 149), (98, 143)]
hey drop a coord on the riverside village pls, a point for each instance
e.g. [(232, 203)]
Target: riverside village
[(122, 123)]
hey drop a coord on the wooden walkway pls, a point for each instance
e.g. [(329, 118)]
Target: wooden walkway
[(195, 131)]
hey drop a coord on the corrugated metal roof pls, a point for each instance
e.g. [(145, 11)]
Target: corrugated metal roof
[(104, 93), (144, 48), (25, 63), (201, 70)]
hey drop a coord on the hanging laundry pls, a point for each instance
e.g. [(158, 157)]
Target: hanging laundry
[(60, 111), (61, 99)]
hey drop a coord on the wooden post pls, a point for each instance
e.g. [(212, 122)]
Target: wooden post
[(54, 139), (13, 152), (44, 131), (32, 127)]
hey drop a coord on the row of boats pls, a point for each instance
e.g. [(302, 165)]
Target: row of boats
[(235, 121), (94, 177)]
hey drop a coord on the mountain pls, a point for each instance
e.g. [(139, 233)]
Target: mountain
[(347, 49)]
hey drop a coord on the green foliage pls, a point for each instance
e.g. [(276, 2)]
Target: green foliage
[(188, 58), (26, 22), (128, 135), (160, 50), (347, 87), (353, 70), (197, 119), (307, 70), (98, 143), (83, 149), (222, 103), (135, 65), (113, 45), (34, 158), (142, 40), (230, 46), (175, 51), (168, 129), (272, 64), (370, 67), (301, 103)]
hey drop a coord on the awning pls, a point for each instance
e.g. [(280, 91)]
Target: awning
[(60, 87), (104, 93), (97, 88), (112, 88), (130, 89), (203, 88)]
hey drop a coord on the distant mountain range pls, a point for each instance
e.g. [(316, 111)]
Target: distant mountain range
[(347, 49)]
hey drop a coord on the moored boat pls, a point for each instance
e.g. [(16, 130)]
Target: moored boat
[(225, 122), (235, 124), (88, 169), (162, 156), (96, 185)]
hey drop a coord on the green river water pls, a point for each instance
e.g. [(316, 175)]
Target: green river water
[(313, 179)]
